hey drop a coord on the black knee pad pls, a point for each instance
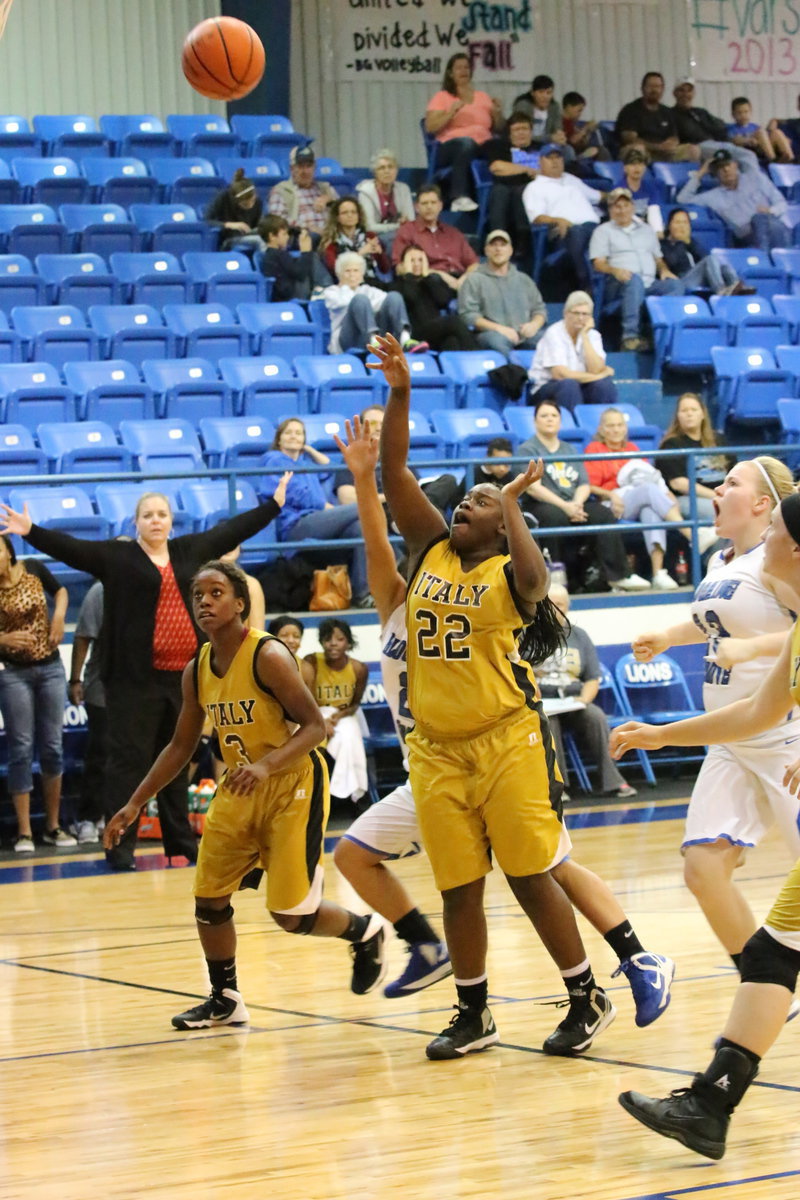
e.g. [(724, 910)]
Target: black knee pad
[(766, 960), (212, 916), (305, 925)]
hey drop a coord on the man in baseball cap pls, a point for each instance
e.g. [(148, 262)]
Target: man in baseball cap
[(565, 205), (746, 200), (302, 200), (503, 305)]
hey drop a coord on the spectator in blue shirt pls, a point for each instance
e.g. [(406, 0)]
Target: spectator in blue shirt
[(769, 142)]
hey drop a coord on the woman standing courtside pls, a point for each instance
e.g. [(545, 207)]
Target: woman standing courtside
[(148, 637)]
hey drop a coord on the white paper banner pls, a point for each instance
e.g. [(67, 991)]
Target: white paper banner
[(413, 39), (746, 40)]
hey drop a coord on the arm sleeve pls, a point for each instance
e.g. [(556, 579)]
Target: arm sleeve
[(215, 213), (590, 662), (469, 303), (92, 557), (229, 534), (689, 191), (538, 306), (440, 292)]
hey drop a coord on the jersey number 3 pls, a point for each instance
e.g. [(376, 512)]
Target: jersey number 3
[(233, 739), (445, 638)]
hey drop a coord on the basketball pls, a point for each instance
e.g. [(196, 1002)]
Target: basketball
[(223, 58)]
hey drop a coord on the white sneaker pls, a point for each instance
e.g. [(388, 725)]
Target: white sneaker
[(664, 581), (57, 837), (706, 538), (86, 832), (631, 583), (24, 844), (463, 204)]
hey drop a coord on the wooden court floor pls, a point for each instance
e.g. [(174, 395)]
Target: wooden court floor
[(329, 1096)]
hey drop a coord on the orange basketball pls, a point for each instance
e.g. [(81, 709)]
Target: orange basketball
[(223, 58)]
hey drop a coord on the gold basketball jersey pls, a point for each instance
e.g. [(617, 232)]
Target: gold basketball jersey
[(464, 670), (794, 664), (334, 688), (247, 718)]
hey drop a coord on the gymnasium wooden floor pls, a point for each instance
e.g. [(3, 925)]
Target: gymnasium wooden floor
[(329, 1096)]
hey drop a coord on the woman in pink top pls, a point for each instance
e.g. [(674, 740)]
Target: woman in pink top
[(633, 489), (461, 119)]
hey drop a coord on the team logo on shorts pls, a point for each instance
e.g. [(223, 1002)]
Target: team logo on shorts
[(533, 739), (300, 794)]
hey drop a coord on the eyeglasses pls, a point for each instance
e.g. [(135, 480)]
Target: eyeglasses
[(579, 312)]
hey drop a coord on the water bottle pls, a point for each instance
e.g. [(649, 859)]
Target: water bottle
[(681, 569), (558, 572)]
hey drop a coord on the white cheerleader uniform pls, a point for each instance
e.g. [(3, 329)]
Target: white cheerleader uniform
[(739, 794)]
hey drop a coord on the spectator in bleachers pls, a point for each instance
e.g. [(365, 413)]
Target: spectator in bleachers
[(744, 198), (339, 683), (691, 429), (385, 200), (148, 636), (540, 104), (574, 670), (696, 269), (585, 137), (237, 211), (32, 689), (449, 253), (503, 305), (289, 630), (791, 127), (564, 497), (346, 230), (358, 309), (642, 186), (295, 275), (302, 199), (307, 511), (513, 161), (649, 123), (569, 365), (692, 123), (633, 489), (86, 688), (461, 118), (628, 251), (428, 297), (564, 204), (769, 142)]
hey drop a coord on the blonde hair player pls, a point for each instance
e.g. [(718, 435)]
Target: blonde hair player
[(699, 1116), (743, 613)]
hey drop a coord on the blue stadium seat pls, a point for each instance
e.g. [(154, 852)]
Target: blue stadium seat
[(708, 230), (168, 170), (188, 388), (20, 144), (207, 501), (466, 432), (9, 123), (66, 507), (268, 135), (11, 344), (612, 171), (786, 177), (469, 371), (657, 693), (185, 126), (789, 261), (225, 277), (10, 191), (207, 330), (76, 136), (31, 229), (99, 228), (789, 417), (173, 228), (34, 393), (191, 181), (117, 126), (79, 279), (749, 384), (787, 307), (148, 144), (88, 447), (52, 181), (120, 181), (646, 394), (163, 445), (55, 333), (672, 177), (235, 441), (788, 359), (430, 389), (19, 284), (19, 454), (321, 429), (755, 268), (132, 331), (264, 387), (684, 330), (337, 383), (155, 279), (613, 704), (265, 172), (281, 328), (109, 391), (520, 421)]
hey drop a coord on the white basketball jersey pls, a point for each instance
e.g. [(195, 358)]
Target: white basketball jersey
[(733, 602), (393, 671)]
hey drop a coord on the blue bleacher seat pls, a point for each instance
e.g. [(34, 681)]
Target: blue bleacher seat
[(235, 441), (31, 229), (20, 144), (19, 283), (753, 322), (789, 417), (188, 388), (337, 383), (469, 371), (185, 126), (787, 307), (152, 278), (10, 191), (657, 692), (109, 391), (117, 126), (466, 431), (11, 344), (99, 228), (672, 177), (147, 145), (9, 123), (268, 135), (207, 501), (684, 330), (264, 172), (788, 359), (76, 135), (83, 446), (66, 507), (613, 171), (789, 261), (749, 384), (207, 330), (55, 333), (521, 426), (120, 181), (172, 227), (132, 331), (264, 387), (163, 445), (34, 393), (786, 177), (430, 388), (79, 279), (613, 704), (755, 268), (708, 230), (167, 170), (52, 181), (321, 429), (225, 277), (19, 454), (281, 328)]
